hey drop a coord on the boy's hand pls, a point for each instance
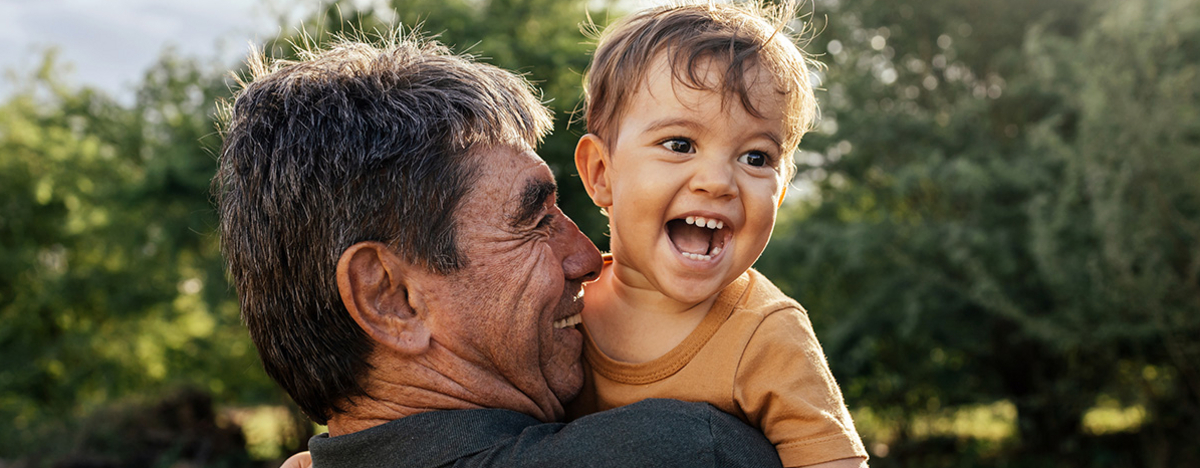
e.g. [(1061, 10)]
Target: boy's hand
[(299, 460)]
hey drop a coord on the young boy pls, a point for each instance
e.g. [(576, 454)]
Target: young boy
[(693, 113)]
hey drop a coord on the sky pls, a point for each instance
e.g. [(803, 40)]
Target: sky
[(109, 44)]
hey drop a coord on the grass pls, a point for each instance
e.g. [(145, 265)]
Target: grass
[(269, 430), (992, 425), (1109, 417)]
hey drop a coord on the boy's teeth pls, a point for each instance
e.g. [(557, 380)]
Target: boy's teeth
[(568, 322), (705, 222), (701, 257)]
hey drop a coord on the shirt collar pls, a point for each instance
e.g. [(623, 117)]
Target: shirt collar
[(432, 438)]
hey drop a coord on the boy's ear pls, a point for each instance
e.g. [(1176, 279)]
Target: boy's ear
[(373, 283), (782, 194), (592, 161)]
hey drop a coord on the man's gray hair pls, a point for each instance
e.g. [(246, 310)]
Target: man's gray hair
[(353, 143)]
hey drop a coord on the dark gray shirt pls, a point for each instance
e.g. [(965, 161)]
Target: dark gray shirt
[(652, 433)]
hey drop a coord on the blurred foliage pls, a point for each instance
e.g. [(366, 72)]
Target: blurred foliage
[(179, 428), (996, 228), (111, 283), (1005, 206)]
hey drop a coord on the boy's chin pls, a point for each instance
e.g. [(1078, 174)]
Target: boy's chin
[(694, 290)]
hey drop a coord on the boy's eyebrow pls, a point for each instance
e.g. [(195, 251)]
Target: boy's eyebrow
[(774, 139), (692, 125), (677, 122), (533, 200)]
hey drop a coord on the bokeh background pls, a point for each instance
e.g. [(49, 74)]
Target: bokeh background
[(995, 227)]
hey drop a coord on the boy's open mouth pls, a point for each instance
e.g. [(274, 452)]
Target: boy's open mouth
[(698, 238)]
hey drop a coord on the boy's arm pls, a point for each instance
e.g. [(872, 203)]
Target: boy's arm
[(784, 387), (299, 460), (857, 462)]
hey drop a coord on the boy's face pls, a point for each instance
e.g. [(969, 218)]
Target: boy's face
[(692, 182)]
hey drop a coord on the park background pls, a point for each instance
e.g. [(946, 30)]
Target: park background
[(995, 228)]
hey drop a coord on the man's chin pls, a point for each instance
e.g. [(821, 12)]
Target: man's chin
[(567, 384), (569, 392)]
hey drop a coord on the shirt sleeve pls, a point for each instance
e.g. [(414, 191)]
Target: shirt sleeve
[(784, 387)]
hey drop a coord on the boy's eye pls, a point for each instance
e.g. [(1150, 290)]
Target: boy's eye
[(754, 158), (678, 145)]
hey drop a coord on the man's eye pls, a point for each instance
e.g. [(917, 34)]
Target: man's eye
[(754, 158), (678, 145), (545, 221)]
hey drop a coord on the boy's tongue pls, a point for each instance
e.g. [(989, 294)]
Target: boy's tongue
[(689, 238)]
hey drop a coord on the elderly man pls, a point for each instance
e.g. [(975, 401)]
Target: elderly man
[(407, 277)]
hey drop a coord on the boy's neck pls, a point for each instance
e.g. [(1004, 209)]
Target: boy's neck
[(630, 321)]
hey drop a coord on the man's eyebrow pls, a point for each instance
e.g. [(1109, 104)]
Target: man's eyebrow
[(533, 200)]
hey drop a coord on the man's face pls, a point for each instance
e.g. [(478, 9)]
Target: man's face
[(510, 312)]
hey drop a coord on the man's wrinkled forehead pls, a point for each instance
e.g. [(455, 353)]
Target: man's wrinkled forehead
[(515, 183)]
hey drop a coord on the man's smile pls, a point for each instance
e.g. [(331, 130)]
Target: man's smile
[(568, 322)]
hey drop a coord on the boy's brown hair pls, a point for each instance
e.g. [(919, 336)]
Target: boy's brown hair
[(738, 36)]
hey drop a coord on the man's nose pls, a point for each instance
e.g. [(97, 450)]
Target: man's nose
[(580, 258)]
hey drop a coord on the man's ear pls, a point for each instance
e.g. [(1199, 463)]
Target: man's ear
[(592, 161), (373, 283)]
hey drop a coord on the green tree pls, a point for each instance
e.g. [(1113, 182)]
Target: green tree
[(112, 284), (1002, 211), (1118, 241)]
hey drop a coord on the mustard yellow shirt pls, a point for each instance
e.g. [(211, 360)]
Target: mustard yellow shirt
[(754, 356)]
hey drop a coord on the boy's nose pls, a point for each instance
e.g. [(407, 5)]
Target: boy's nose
[(714, 178)]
